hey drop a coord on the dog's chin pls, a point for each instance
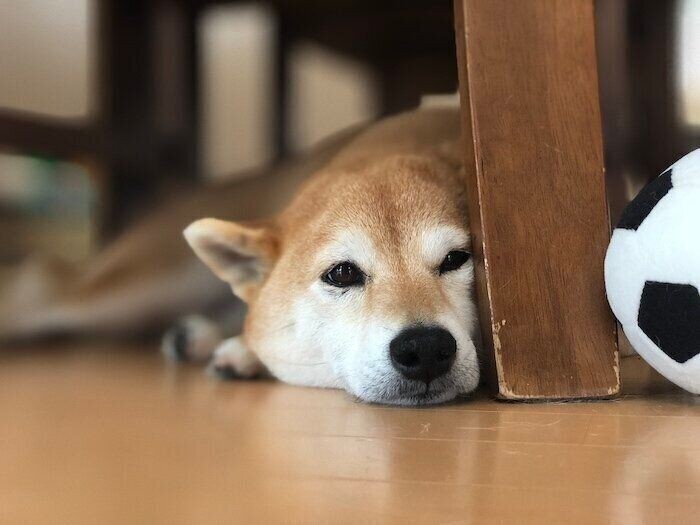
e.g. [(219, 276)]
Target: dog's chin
[(411, 393), (427, 399)]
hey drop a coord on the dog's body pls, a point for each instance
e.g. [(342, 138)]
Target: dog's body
[(361, 281)]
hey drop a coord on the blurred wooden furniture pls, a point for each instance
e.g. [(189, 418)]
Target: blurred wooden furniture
[(534, 159), (145, 131), (144, 128), (639, 68)]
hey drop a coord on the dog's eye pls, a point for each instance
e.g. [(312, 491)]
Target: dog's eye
[(344, 274), (454, 260)]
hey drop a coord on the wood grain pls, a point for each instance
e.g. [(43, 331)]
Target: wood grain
[(111, 434), (539, 215)]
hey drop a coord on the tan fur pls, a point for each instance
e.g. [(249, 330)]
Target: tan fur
[(424, 189), (390, 185), (148, 277), (392, 194)]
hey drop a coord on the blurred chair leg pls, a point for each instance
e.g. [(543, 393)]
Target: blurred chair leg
[(643, 135), (279, 112), (147, 102), (534, 158), (651, 44)]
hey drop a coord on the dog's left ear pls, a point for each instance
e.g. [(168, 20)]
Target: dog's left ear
[(242, 254)]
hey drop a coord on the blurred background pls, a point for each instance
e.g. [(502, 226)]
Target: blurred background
[(108, 106)]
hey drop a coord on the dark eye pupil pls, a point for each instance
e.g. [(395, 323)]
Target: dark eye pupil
[(454, 260), (344, 274)]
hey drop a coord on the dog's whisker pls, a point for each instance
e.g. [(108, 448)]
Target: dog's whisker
[(296, 363), (284, 327)]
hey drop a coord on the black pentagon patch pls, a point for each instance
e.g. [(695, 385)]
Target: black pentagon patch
[(638, 210), (669, 314)]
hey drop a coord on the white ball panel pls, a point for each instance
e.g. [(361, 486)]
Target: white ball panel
[(669, 238), (686, 171), (625, 275), (686, 375)]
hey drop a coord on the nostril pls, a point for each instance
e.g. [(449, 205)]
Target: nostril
[(408, 359), (446, 354)]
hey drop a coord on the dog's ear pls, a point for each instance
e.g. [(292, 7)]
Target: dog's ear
[(242, 254)]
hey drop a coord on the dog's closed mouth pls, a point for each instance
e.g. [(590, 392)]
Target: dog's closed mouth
[(431, 398), (414, 393)]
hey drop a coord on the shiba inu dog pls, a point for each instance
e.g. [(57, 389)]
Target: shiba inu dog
[(362, 281)]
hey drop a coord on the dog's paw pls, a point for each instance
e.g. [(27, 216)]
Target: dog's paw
[(193, 338), (232, 360)]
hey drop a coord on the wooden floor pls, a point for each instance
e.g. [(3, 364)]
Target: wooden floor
[(111, 435)]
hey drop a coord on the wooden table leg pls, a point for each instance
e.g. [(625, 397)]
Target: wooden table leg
[(534, 157)]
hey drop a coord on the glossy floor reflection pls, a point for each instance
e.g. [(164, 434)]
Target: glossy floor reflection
[(113, 435)]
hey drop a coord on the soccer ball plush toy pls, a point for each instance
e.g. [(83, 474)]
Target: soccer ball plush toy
[(652, 272)]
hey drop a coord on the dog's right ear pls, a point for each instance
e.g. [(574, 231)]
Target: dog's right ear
[(238, 253)]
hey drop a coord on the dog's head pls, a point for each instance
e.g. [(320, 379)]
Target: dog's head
[(364, 282)]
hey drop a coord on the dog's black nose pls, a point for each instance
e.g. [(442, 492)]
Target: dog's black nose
[(423, 353)]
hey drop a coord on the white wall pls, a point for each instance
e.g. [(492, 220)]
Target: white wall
[(46, 61), (328, 92), (689, 60), (236, 46)]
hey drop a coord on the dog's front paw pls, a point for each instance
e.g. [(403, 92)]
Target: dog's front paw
[(193, 338), (232, 360)]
